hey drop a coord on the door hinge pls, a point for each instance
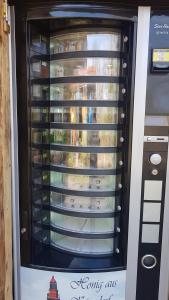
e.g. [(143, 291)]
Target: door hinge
[(6, 26)]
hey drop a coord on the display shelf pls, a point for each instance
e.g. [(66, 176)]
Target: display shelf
[(74, 103), (80, 79), (79, 137), (72, 203), (86, 39), (97, 224), (77, 126), (77, 160), (85, 252), (86, 248), (88, 89), (78, 192), (76, 181), (86, 149), (80, 54), (78, 234), (78, 115), (82, 171), (76, 212), (76, 199)]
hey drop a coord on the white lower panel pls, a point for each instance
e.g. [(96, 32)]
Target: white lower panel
[(41, 285)]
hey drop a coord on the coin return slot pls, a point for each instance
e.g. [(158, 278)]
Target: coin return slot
[(153, 190), (150, 233), (151, 212)]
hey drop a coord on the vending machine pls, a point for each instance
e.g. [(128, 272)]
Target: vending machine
[(90, 151)]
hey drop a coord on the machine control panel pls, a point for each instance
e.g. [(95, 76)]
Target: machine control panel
[(151, 217)]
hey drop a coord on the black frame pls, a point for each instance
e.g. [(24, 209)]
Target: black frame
[(24, 140)]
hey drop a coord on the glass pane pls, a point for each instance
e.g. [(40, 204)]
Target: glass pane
[(77, 159), (40, 69), (39, 43), (40, 136), (78, 182), (105, 40), (86, 246), (83, 204), (40, 215), (85, 225), (77, 203), (85, 160), (40, 115), (91, 66), (82, 41), (40, 156), (84, 91), (40, 196), (74, 115), (83, 138), (40, 92)]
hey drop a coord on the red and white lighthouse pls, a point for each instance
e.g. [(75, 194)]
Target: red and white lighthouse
[(53, 291)]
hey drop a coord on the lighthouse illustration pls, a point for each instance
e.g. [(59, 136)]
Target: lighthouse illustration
[(53, 291)]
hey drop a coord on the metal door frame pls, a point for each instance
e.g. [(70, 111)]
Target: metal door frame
[(137, 148)]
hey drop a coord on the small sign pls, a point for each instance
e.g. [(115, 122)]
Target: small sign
[(160, 60)]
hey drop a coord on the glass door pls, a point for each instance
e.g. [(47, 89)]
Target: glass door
[(78, 87)]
